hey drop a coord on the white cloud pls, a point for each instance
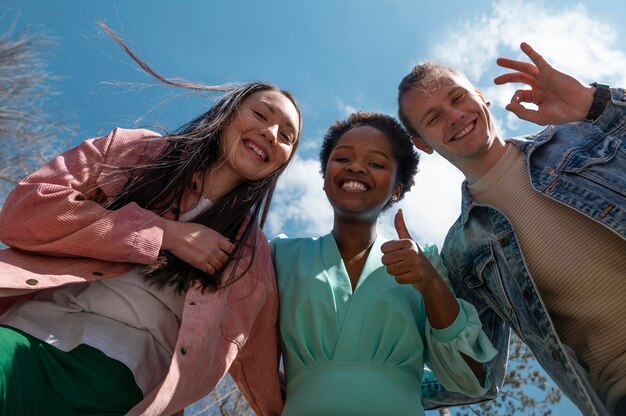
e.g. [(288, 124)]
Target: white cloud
[(430, 207), (571, 40), (567, 36), (344, 108), (299, 199)]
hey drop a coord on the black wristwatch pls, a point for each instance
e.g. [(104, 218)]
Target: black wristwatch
[(601, 99)]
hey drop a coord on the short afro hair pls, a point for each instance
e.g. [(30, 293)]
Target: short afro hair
[(404, 153)]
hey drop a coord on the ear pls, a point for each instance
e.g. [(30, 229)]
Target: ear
[(421, 145), (397, 190), (482, 97), (192, 193)]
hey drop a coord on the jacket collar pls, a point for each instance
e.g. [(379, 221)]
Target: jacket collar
[(526, 144)]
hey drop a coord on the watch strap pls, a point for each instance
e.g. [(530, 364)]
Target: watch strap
[(601, 98)]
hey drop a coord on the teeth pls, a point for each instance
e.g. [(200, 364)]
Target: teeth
[(257, 150), (353, 186), (464, 131)]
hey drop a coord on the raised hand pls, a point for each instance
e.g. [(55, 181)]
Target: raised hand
[(560, 98), (409, 265), (405, 260), (197, 245)]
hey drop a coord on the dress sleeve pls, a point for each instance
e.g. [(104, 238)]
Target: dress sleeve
[(56, 210), (444, 346)]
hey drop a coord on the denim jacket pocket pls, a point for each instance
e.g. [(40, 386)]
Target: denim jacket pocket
[(487, 281), (603, 163)]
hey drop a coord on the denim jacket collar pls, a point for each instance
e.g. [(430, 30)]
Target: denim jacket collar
[(526, 144)]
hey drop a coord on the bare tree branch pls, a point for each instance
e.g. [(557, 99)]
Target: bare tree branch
[(28, 131)]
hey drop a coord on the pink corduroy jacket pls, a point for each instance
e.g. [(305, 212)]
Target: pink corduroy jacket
[(58, 234)]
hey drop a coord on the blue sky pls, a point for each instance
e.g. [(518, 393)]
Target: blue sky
[(335, 56)]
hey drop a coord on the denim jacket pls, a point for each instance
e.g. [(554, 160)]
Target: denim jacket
[(581, 165)]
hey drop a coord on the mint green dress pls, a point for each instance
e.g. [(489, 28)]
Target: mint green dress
[(363, 353)]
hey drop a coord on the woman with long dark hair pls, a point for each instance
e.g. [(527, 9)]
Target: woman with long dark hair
[(137, 273)]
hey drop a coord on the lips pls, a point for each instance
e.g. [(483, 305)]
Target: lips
[(466, 130), (352, 185), (256, 149)]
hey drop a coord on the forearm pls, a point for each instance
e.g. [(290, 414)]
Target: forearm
[(440, 304), (57, 209)]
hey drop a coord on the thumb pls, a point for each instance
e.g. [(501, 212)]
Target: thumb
[(401, 229)]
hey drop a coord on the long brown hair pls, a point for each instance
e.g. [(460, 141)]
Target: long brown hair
[(196, 147)]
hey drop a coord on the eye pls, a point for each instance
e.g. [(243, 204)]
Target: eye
[(259, 115), (341, 159), (377, 165), (287, 137), (457, 97), (432, 120)]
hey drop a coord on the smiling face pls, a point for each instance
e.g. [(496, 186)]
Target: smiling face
[(452, 119), (361, 174), (260, 138)]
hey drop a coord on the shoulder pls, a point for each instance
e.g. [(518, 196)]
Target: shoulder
[(295, 255), (283, 244), (122, 141)]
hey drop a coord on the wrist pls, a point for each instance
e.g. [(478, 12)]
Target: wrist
[(168, 234), (436, 289), (598, 102)]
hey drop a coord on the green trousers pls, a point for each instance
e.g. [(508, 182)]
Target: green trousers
[(39, 379)]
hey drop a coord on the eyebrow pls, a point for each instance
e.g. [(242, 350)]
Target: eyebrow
[(273, 111), (433, 110), (345, 146)]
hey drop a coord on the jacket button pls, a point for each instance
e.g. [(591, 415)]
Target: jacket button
[(527, 294), (504, 241), (32, 282), (555, 355), (183, 351), (100, 274), (549, 170)]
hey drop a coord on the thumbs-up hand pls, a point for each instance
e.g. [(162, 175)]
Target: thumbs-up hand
[(405, 260)]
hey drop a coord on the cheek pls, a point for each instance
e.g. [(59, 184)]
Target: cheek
[(389, 179), (286, 152), (228, 145), (282, 156), (326, 184)]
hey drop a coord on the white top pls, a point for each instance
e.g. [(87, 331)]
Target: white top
[(124, 317)]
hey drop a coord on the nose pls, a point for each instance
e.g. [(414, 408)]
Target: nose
[(355, 167), (454, 116), (270, 132)]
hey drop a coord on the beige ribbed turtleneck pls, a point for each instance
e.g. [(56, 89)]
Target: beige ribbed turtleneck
[(578, 265)]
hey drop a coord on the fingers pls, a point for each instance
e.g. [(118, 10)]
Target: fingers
[(525, 114), (215, 261), (514, 77), (398, 269), (525, 72), (404, 278), (208, 269), (401, 229), (520, 67), (534, 56), (516, 107), (226, 246)]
